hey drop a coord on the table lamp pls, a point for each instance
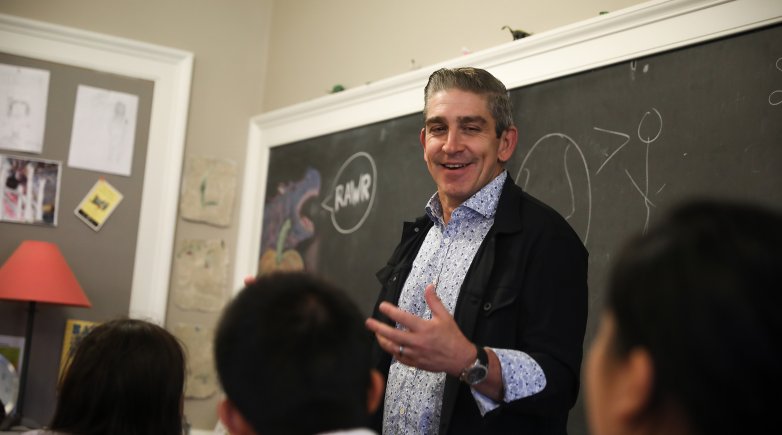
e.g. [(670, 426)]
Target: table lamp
[(36, 272)]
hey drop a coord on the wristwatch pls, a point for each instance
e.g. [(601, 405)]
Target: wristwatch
[(477, 372)]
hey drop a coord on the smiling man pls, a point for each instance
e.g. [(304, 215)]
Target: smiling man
[(481, 316)]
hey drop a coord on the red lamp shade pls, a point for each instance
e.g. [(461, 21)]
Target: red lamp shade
[(37, 272)]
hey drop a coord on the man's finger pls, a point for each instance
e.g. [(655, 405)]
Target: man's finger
[(386, 331), (434, 302), (398, 315)]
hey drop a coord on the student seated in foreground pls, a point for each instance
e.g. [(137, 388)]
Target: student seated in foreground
[(126, 378), (293, 357), (691, 337)]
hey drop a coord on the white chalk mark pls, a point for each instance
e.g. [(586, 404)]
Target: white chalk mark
[(647, 201), (775, 97), (659, 130), (627, 139), (646, 170), (523, 170), (570, 185), (660, 189), (648, 141), (640, 191), (526, 176)]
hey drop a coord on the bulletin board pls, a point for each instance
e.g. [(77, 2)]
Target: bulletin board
[(123, 266)]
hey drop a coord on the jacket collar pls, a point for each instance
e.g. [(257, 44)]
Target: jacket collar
[(507, 219)]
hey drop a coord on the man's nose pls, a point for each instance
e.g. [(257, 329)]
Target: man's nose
[(453, 142)]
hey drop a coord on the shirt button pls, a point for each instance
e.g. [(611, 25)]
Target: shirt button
[(402, 411), (487, 306)]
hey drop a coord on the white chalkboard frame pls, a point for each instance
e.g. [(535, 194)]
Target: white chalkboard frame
[(642, 30), (171, 71)]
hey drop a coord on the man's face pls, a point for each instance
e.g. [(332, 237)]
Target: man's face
[(461, 147)]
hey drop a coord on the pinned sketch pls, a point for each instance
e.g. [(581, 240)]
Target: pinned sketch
[(352, 193), (23, 99), (104, 130), (285, 225), (208, 190), (99, 203), (201, 381), (200, 274), (30, 190)]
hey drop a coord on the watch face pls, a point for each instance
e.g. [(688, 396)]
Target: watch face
[(475, 374)]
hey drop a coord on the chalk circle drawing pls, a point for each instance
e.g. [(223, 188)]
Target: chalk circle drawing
[(775, 97), (352, 193), (547, 182)]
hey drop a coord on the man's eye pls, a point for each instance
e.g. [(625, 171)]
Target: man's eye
[(437, 130)]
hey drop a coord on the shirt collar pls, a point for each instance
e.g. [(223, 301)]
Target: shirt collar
[(483, 201)]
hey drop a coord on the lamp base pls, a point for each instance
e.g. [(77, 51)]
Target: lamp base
[(15, 420), (10, 421)]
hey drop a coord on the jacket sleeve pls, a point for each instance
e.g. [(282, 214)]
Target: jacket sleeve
[(551, 320)]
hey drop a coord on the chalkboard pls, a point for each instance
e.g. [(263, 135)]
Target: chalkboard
[(611, 149)]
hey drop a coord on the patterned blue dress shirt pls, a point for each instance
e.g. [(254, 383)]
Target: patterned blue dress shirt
[(414, 397)]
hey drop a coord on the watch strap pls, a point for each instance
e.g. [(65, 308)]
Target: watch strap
[(477, 371), (483, 357)]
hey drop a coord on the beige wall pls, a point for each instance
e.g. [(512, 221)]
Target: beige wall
[(259, 55), (317, 44)]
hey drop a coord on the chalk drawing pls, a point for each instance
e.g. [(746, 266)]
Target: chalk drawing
[(775, 97), (649, 130), (524, 173), (351, 194)]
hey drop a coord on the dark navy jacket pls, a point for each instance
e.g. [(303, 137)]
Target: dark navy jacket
[(526, 289)]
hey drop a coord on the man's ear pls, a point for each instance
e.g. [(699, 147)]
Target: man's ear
[(422, 139), (634, 387), (507, 145), (377, 385), (232, 419)]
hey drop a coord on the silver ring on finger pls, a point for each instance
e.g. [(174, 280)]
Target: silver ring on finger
[(401, 351)]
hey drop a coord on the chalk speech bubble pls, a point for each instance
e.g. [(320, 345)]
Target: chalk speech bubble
[(352, 193)]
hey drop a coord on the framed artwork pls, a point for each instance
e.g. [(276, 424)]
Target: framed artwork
[(75, 331), (30, 190)]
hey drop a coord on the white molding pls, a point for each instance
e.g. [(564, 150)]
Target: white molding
[(171, 71), (638, 31)]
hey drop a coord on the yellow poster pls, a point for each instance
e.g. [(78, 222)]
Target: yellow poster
[(75, 330), (99, 203)]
